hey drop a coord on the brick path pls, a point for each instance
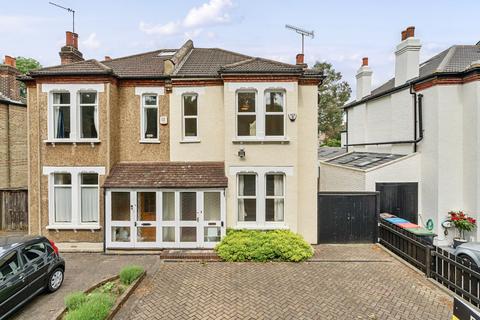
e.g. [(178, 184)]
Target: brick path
[(375, 286)]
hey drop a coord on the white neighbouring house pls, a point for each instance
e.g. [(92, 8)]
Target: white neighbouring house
[(419, 129)]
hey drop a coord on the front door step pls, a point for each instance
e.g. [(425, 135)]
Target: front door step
[(189, 255)]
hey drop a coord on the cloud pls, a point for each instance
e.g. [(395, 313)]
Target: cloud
[(214, 12), (19, 24), (92, 42)]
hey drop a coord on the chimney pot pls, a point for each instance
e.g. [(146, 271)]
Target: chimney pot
[(365, 61), (108, 58), (10, 61), (404, 35), (300, 58), (71, 39), (410, 32)]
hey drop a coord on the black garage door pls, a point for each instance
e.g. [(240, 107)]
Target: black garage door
[(347, 217), (400, 199)]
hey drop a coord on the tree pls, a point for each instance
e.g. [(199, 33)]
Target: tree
[(26, 64), (332, 95)]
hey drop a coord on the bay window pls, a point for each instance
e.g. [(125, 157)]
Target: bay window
[(246, 113), (190, 116), (149, 115), (274, 113)]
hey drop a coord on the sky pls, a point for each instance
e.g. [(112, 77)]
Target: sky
[(345, 31)]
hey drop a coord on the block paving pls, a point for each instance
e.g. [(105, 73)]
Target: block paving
[(367, 284)]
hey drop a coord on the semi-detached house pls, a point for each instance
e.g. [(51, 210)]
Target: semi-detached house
[(166, 149)]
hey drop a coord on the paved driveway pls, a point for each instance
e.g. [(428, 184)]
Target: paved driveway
[(83, 270), (345, 282)]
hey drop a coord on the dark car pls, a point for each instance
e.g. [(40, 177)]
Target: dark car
[(28, 266)]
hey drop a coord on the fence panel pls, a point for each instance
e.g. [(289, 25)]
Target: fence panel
[(14, 210)]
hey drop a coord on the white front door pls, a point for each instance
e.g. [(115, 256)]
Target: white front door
[(164, 219)]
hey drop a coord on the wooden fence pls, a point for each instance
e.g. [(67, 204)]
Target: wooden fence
[(455, 273), (13, 210)]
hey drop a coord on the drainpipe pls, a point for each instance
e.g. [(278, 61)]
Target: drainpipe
[(414, 93), (346, 127)]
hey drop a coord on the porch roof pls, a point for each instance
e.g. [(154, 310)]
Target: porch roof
[(167, 175)]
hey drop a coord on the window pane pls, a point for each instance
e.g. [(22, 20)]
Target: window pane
[(147, 206), (246, 125), (212, 234), (190, 105), (146, 234), (120, 234), (33, 252), (61, 98), (274, 209), (88, 97), (63, 204), (188, 206), (190, 127), (62, 178), (62, 122), (246, 101), (150, 100), (247, 185), (120, 206), (247, 209), (168, 206), (89, 204), (188, 234), (274, 125), (9, 266), (168, 234), (274, 101), (90, 178), (274, 185), (151, 124), (211, 206), (87, 118)]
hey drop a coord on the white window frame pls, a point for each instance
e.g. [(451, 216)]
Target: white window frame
[(76, 221), (55, 187), (261, 173), (256, 114), (89, 186), (267, 113), (184, 117), (143, 108), (52, 111), (73, 89), (95, 113), (239, 197), (282, 197)]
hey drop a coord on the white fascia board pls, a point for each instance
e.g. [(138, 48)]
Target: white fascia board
[(48, 87)]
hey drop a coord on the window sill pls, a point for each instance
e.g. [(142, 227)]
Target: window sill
[(82, 141), (190, 141), (150, 141), (74, 227), (268, 226), (261, 141)]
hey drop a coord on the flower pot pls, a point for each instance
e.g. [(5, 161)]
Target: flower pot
[(457, 242)]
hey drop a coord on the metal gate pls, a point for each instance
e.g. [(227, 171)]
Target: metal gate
[(347, 217), (13, 210), (400, 199)]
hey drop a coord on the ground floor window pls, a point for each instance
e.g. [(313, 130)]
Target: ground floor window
[(73, 197)]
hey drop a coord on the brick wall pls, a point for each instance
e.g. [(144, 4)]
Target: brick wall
[(9, 85)]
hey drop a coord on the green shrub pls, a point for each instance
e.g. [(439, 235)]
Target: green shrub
[(96, 307), (130, 273), (254, 245), (75, 299)]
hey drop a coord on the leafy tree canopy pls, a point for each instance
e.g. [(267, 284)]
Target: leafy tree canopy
[(26, 64), (332, 94)]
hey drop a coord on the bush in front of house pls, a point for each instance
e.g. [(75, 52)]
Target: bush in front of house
[(256, 245), (96, 307), (130, 273)]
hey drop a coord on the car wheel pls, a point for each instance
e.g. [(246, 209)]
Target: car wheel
[(469, 260), (55, 280)]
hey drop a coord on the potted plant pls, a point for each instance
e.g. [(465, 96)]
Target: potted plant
[(463, 223)]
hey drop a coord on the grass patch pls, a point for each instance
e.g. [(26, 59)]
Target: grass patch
[(96, 307), (130, 273), (255, 245), (74, 300)]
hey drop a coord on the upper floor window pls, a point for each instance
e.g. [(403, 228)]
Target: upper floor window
[(190, 116), (88, 115), (149, 117), (246, 113), (61, 114), (274, 113)]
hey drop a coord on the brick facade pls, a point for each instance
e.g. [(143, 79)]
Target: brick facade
[(9, 85)]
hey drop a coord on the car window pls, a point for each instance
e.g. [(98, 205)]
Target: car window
[(33, 252), (9, 265)]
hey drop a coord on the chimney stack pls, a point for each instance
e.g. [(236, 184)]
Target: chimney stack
[(9, 85), (69, 53), (300, 60), (364, 80), (108, 58), (407, 57)]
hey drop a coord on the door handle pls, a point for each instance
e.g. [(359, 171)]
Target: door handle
[(146, 224)]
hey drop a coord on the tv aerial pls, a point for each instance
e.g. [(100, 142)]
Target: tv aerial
[(69, 10), (302, 32)]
